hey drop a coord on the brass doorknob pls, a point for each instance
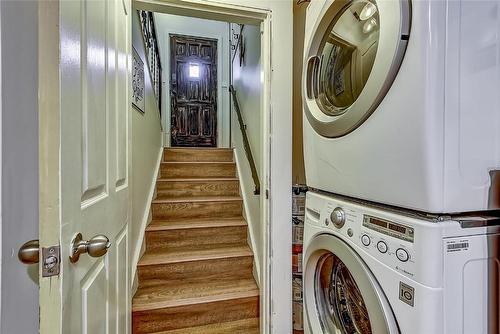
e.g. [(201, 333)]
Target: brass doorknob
[(29, 253), (95, 247)]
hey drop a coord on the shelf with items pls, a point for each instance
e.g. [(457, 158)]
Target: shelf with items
[(298, 214)]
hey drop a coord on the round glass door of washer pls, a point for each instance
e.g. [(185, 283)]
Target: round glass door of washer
[(341, 307), (341, 295), (353, 59)]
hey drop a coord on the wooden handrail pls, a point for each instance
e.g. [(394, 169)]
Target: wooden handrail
[(246, 143)]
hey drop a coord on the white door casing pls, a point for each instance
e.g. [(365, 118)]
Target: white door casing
[(84, 60)]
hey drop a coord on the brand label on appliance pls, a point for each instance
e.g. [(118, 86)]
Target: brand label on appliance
[(457, 246)]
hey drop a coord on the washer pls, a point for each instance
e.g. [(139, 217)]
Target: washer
[(402, 103), (370, 270)]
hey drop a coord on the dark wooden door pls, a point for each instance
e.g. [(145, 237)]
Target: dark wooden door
[(193, 91)]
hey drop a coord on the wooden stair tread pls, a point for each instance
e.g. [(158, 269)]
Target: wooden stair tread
[(244, 326), (165, 225), (192, 199), (198, 149), (157, 296), (207, 252), (201, 163), (197, 179)]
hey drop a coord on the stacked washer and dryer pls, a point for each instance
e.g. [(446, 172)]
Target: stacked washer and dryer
[(402, 156)]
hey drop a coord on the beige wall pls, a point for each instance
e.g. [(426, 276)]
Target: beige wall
[(298, 172), (146, 145)]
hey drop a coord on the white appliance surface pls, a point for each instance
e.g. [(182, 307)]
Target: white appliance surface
[(431, 275), (431, 140)]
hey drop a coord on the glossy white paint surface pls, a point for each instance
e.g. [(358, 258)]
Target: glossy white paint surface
[(433, 140), (92, 295)]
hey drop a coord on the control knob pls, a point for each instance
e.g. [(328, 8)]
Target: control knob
[(338, 217)]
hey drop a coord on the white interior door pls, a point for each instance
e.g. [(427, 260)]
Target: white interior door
[(84, 161)]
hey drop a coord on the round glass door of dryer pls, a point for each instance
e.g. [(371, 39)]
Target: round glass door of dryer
[(353, 58), (341, 295)]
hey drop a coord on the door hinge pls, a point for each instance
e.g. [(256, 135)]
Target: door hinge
[(267, 193), (51, 261)]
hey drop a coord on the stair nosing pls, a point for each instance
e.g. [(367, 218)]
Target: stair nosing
[(200, 199), (198, 300), (199, 148), (195, 225), (247, 252), (181, 330), (200, 162), (201, 179)]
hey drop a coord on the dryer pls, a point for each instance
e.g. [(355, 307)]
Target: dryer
[(370, 270), (402, 102)]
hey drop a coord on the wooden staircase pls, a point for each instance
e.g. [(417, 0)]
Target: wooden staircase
[(196, 273)]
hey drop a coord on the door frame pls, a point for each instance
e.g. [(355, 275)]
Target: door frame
[(275, 21)]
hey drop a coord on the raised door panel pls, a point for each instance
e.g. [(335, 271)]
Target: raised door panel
[(122, 59), (93, 97)]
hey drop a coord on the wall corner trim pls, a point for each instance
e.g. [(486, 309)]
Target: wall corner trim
[(145, 219)]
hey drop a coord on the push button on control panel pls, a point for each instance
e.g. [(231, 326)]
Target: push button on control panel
[(382, 247), (365, 240), (402, 255)]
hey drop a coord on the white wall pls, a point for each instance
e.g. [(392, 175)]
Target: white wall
[(146, 146), (278, 298), (173, 24), (19, 57), (246, 80)]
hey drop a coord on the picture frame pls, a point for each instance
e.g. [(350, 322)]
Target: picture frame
[(138, 84)]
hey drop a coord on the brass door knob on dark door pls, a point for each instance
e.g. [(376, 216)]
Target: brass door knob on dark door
[(29, 253)]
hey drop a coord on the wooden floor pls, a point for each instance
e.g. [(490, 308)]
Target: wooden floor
[(196, 275)]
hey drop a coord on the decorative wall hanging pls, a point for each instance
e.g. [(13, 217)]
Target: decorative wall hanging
[(138, 98)]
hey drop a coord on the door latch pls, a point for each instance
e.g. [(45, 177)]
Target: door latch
[(51, 261)]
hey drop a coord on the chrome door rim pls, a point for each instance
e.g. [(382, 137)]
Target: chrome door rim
[(379, 311), (395, 19)]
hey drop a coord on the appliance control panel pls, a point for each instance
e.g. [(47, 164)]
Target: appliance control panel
[(390, 242)]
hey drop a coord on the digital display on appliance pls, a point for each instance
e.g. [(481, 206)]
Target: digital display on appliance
[(378, 222), (397, 228), (389, 228)]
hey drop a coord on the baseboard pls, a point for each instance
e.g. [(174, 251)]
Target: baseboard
[(256, 267), (139, 247)]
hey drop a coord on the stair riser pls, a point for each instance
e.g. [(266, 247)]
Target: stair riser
[(173, 189), (197, 155), (196, 237), (245, 326), (188, 170), (238, 267), (194, 315), (193, 210)]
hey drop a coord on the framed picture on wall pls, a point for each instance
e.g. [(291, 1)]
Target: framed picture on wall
[(138, 98)]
